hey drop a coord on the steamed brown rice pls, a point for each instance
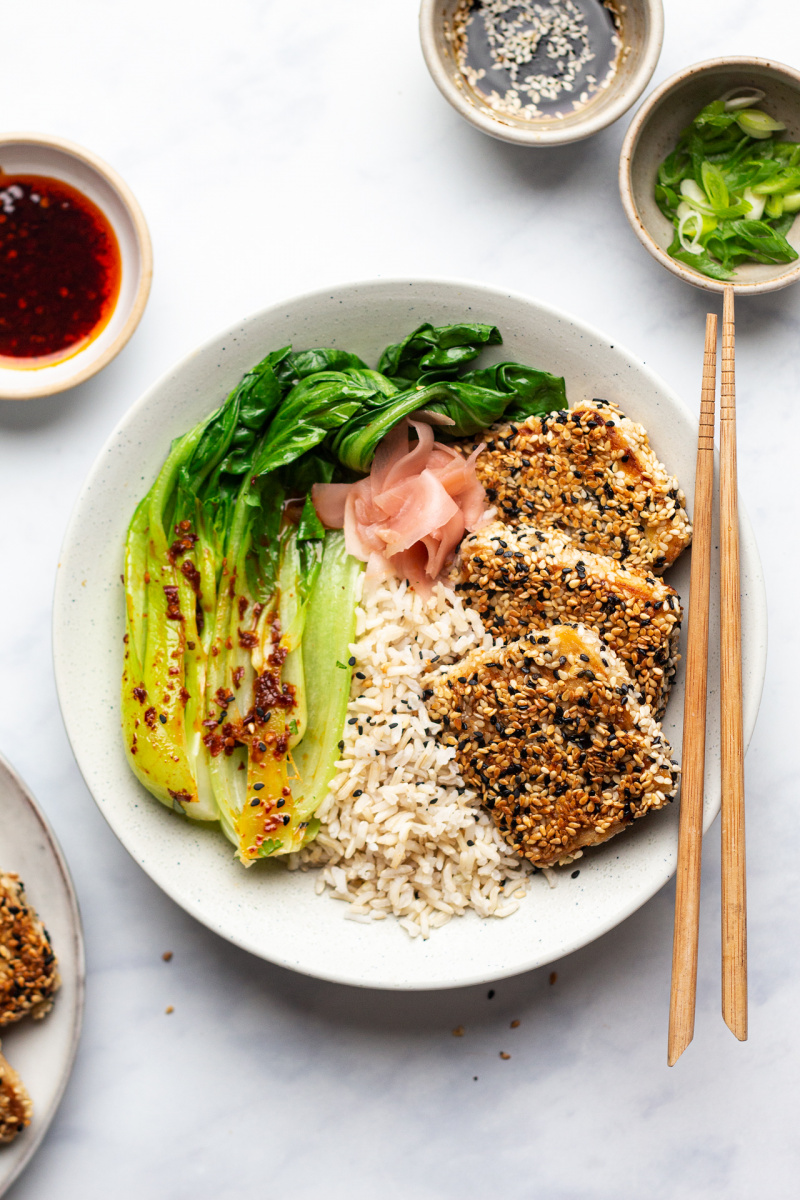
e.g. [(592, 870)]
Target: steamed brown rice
[(400, 832)]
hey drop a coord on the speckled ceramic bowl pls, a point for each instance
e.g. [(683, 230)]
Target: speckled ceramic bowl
[(267, 910), (653, 134), (642, 32)]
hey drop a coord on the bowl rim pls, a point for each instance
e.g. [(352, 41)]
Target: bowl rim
[(145, 247), (519, 136), (630, 145)]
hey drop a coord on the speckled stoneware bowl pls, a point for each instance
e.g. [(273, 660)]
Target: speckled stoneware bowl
[(265, 909), (642, 32), (653, 134), (39, 154), (41, 1051)]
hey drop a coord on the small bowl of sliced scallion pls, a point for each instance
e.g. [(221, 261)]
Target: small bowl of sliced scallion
[(710, 175)]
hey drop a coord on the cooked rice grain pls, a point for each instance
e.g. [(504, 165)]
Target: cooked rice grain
[(400, 833)]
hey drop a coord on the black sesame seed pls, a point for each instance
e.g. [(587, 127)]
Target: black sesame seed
[(162, 718), (254, 803), (257, 787), (286, 818)]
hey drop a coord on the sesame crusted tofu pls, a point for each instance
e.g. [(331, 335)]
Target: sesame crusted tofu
[(520, 579), (590, 471), (15, 1103), (550, 734), (28, 970)]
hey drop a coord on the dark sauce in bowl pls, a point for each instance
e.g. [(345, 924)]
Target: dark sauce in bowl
[(60, 270)]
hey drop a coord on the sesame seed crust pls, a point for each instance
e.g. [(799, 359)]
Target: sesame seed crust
[(549, 732), (520, 579), (16, 1108), (28, 969), (590, 471)]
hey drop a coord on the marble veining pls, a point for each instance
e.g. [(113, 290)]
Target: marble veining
[(275, 148)]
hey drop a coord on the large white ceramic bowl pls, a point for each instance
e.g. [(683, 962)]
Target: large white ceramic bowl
[(266, 910)]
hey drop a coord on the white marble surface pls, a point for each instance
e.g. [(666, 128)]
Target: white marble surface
[(276, 147)]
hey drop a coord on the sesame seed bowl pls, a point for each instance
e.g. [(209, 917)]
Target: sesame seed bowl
[(541, 75), (267, 910)]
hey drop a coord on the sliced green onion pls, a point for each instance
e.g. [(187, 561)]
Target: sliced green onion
[(791, 203), (733, 100), (693, 246), (693, 194), (787, 181), (774, 206), (714, 185), (758, 124), (709, 224), (756, 204)]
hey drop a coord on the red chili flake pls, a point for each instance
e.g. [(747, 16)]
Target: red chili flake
[(232, 585), (223, 697), (147, 576), (268, 693), (228, 644), (182, 796), (238, 676), (213, 743), (173, 604), (184, 697), (150, 718), (271, 823), (140, 693), (281, 746), (278, 656), (192, 574), (190, 645), (174, 671), (247, 640), (244, 604)]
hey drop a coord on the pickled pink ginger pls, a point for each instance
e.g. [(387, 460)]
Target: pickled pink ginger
[(412, 510)]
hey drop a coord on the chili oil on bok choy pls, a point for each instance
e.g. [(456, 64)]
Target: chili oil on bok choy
[(240, 605), (731, 188)]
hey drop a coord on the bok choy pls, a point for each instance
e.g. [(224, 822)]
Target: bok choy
[(240, 605)]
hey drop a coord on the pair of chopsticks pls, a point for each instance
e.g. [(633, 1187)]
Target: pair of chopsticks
[(690, 836)]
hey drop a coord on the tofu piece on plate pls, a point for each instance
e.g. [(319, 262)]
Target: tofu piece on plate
[(29, 975)]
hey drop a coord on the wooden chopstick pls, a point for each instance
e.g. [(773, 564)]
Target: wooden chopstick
[(734, 902), (690, 833)]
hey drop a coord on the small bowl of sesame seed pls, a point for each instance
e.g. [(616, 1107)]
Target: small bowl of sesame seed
[(541, 72)]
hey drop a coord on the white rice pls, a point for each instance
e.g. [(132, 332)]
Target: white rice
[(400, 832)]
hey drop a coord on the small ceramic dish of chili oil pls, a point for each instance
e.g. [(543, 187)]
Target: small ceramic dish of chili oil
[(75, 265)]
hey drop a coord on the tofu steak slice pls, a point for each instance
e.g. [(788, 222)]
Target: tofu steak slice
[(520, 579), (549, 733), (591, 472)]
